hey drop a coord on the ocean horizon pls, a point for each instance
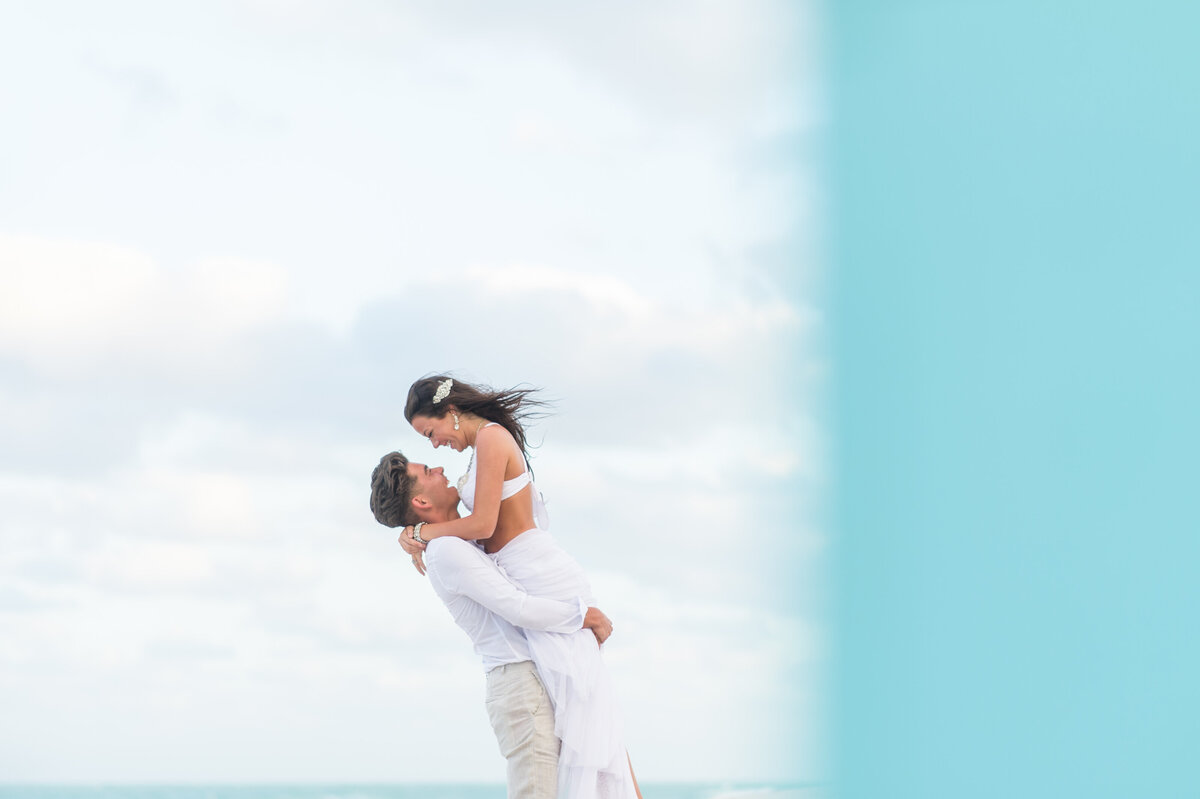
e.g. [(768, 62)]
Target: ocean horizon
[(652, 790)]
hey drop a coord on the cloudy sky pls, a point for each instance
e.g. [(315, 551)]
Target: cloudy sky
[(233, 233)]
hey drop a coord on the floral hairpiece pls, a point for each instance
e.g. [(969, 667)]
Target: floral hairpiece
[(443, 390)]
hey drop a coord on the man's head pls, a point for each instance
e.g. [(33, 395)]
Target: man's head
[(404, 493)]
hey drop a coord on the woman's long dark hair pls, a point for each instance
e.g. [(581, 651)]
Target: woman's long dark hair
[(510, 408)]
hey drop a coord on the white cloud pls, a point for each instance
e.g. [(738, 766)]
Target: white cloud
[(673, 655), (602, 333), (504, 283), (152, 565), (76, 307), (69, 291)]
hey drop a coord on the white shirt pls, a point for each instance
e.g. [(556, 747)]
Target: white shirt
[(488, 606)]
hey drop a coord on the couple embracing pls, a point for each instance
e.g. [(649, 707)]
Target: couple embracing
[(525, 603)]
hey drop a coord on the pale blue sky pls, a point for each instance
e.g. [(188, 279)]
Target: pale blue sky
[(233, 233)]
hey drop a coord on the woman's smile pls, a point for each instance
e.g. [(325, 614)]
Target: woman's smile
[(439, 431)]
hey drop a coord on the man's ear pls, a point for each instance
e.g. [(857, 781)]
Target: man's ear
[(420, 503)]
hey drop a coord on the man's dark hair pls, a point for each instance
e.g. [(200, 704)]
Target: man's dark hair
[(392, 491)]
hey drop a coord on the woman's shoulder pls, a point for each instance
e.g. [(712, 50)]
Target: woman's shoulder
[(494, 444), (493, 431)]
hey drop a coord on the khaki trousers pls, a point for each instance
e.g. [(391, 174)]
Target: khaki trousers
[(523, 720)]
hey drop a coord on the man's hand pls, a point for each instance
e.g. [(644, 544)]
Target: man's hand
[(600, 625)]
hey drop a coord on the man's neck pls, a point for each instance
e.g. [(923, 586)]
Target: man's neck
[(443, 515)]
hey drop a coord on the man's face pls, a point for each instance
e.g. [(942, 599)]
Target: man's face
[(433, 486)]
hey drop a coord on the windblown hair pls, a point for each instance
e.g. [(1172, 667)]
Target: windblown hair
[(391, 492), (509, 408)]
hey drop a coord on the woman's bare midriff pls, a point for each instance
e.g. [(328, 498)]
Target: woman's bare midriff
[(516, 516)]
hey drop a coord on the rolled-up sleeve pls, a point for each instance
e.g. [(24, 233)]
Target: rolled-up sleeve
[(472, 574)]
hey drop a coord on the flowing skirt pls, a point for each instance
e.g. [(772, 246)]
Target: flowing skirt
[(593, 763)]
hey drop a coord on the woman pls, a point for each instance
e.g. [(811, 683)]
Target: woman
[(507, 516)]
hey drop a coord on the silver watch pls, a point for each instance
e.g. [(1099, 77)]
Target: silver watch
[(417, 533)]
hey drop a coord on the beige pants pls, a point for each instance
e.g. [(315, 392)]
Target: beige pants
[(523, 720)]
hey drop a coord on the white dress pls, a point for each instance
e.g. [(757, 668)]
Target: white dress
[(587, 719)]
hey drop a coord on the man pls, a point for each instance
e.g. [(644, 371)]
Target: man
[(491, 610)]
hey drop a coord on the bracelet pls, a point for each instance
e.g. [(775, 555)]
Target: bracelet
[(417, 533)]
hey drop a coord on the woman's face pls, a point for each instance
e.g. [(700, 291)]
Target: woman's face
[(440, 432)]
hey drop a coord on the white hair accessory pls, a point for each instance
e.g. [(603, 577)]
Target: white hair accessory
[(443, 390)]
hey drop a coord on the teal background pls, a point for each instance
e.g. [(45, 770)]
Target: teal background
[(1015, 192)]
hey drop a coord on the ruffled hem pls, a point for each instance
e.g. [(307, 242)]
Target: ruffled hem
[(587, 719), (592, 763)]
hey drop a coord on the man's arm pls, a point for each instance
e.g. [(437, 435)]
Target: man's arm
[(463, 569)]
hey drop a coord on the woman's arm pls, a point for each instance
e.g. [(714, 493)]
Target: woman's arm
[(493, 447)]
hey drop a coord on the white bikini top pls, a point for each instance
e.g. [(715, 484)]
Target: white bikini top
[(510, 488)]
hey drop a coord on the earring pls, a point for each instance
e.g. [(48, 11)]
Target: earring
[(455, 415)]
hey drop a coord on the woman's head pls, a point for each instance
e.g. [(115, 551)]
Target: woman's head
[(435, 402)]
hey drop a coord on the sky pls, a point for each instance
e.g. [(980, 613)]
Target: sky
[(233, 233)]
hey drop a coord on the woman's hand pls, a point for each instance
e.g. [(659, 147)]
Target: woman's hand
[(413, 548), (410, 544)]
